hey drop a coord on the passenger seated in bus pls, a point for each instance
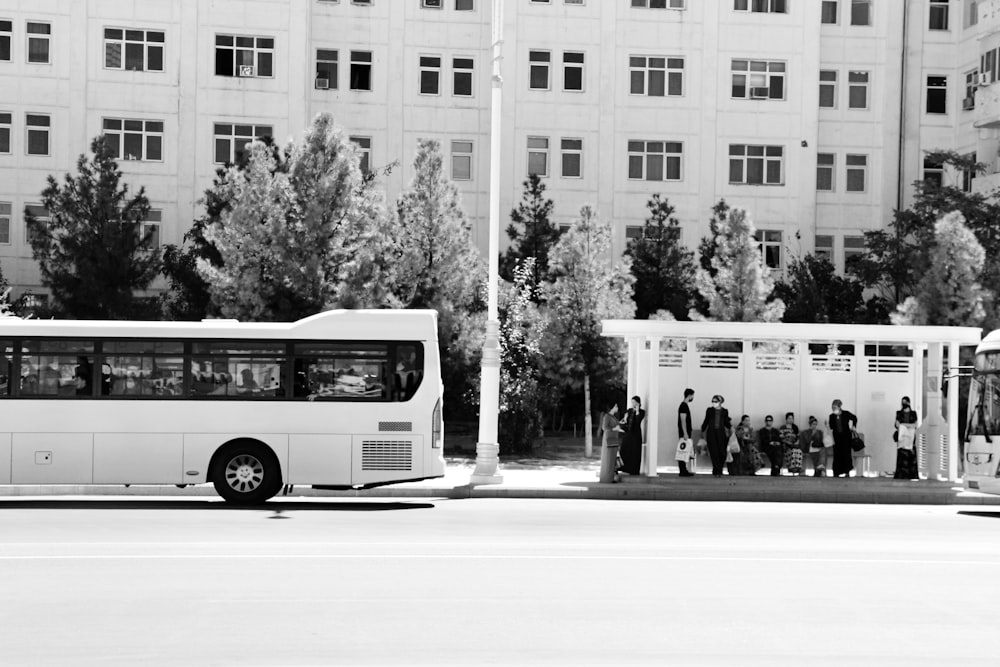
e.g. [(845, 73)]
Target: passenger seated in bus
[(247, 384), (83, 377)]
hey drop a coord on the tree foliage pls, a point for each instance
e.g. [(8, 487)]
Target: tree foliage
[(521, 331), (662, 266), (91, 252), (531, 232), (949, 293), (813, 292), (736, 286), (298, 231)]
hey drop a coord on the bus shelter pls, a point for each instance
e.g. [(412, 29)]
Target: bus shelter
[(774, 368)]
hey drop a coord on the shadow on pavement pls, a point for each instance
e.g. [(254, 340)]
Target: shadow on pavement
[(318, 505), (982, 513)]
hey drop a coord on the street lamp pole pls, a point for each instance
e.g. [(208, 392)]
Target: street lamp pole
[(488, 448)]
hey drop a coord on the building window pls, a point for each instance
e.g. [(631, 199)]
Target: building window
[(572, 70), (327, 69), (971, 83), (765, 6), (861, 12), (938, 19), (361, 70), (149, 229), (655, 160), (854, 248), (972, 13), (828, 89), (824, 247), (6, 120), (538, 75), (133, 50), (656, 76), (38, 42), (461, 160), (37, 131), (769, 242), (857, 172), (134, 139), (462, 75), (756, 165), (431, 4), (6, 35), (244, 56), (825, 167), (828, 12), (5, 208), (39, 213), (758, 80), (538, 156), (231, 140), (464, 5), (857, 90), (572, 158), (988, 66), (937, 94), (658, 4), (430, 75), (364, 146), (363, 3), (933, 172)]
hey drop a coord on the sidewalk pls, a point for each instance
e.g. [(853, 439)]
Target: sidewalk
[(560, 476)]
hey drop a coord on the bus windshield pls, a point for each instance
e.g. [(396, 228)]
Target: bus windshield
[(984, 396)]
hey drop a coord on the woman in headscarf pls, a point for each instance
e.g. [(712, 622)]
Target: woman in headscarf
[(716, 429), (906, 437), (631, 448)]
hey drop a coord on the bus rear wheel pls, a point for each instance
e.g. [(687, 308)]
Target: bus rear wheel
[(246, 474)]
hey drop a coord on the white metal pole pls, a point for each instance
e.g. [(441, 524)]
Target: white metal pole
[(488, 447)]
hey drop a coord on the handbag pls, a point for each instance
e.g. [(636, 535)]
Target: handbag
[(733, 447), (858, 441)]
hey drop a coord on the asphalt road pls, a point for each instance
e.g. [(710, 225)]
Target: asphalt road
[(493, 581)]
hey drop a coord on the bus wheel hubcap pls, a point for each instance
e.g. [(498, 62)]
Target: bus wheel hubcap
[(244, 473)]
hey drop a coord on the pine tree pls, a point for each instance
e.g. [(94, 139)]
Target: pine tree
[(90, 251), (531, 232), (949, 293), (813, 292), (663, 268), (740, 287), (586, 289)]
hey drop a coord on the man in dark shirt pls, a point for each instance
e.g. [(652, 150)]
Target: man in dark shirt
[(770, 444), (684, 431)]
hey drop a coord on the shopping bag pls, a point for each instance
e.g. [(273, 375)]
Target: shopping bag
[(685, 450), (733, 446), (907, 436)]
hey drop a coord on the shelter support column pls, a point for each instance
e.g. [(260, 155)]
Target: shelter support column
[(954, 437), (653, 408), (641, 388), (934, 425), (632, 368)]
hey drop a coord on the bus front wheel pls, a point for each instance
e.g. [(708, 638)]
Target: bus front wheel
[(246, 474)]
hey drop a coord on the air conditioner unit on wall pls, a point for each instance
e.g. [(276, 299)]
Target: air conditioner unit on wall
[(322, 84), (247, 70), (984, 78), (759, 93), (969, 103)]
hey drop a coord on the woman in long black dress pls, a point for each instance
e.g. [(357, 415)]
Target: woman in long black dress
[(716, 429), (905, 438), (842, 424), (631, 447)]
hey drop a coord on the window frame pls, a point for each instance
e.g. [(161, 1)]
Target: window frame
[(823, 12), (145, 134), (545, 65), (827, 163), (333, 83), (643, 152), (939, 10), (232, 138), (649, 68), (749, 73), (6, 39), (356, 68), (750, 6), (363, 145), (147, 48), (867, 4), (425, 67), (565, 151), (572, 66), (467, 74), (539, 150), (6, 218), (676, 5), (833, 84), (766, 157), (853, 86), (45, 37), (940, 95), (856, 168), (260, 53), (28, 130), (457, 155), (7, 130), (769, 242)]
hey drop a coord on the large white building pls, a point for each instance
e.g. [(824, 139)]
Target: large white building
[(815, 115)]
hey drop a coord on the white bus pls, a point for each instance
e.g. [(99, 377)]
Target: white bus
[(982, 433), (342, 399)]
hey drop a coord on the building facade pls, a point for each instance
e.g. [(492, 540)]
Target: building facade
[(816, 116)]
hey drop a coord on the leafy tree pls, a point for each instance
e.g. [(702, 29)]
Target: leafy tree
[(531, 232), (740, 288), (706, 251), (663, 268), (297, 232), (521, 330), (586, 289), (949, 293), (897, 257), (438, 266), (91, 253), (813, 292)]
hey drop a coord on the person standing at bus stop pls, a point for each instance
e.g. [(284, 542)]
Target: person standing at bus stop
[(609, 443), (842, 424), (716, 429), (684, 433), (905, 438), (631, 447)]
